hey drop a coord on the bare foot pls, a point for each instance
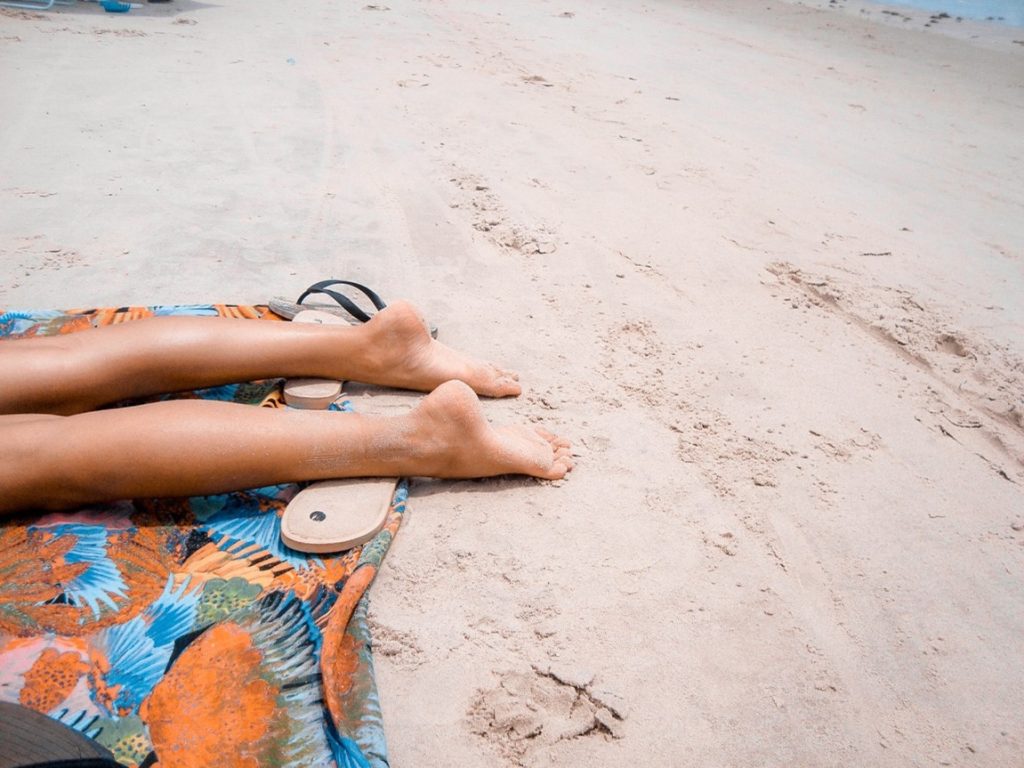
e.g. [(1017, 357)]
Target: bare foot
[(457, 441), (402, 354)]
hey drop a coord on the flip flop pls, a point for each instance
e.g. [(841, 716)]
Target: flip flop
[(324, 288), (313, 394), (343, 304), (335, 515)]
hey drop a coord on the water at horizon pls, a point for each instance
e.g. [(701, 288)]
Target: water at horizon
[(1003, 11)]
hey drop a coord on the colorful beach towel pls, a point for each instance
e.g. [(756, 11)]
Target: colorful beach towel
[(181, 632)]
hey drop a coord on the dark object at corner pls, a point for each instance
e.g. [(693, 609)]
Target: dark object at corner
[(29, 739)]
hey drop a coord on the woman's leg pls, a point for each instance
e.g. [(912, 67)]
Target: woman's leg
[(80, 371), (190, 447)]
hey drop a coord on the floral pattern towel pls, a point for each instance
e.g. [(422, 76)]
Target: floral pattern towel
[(182, 632)]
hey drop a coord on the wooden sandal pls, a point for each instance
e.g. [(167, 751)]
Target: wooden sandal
[(313, 394), (335, 515)]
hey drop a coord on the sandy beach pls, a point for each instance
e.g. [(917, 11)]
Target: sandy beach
[(762, 262)]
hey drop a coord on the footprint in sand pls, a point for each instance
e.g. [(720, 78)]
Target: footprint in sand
[(529, 711)]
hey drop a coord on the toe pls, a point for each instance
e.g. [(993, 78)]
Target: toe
[(506, 382), (560, 464), (551, 437), (559, 469), (494, 382), (541, 434), (509, 387)]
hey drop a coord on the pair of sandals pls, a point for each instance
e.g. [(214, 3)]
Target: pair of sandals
[(331, 515)]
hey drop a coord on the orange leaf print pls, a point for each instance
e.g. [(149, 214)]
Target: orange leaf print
[(51, 679), (212, 708)]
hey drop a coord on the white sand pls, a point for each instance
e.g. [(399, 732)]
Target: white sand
[(764, 263)]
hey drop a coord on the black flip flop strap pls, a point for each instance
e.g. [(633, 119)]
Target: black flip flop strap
[(344, 301), (378, 302)]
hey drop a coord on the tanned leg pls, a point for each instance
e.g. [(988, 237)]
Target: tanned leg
[(81, 371), (189, 447)]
